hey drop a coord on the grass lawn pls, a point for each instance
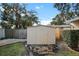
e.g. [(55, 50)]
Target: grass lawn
[(67, 53), (18, 49), (15, 49)]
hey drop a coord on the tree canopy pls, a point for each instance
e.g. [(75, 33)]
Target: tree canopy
[(16, 14), (67, 11)]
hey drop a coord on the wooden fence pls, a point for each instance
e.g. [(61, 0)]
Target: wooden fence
[(13, 33)]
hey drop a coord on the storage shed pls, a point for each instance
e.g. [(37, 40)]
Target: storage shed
[(41, 35)]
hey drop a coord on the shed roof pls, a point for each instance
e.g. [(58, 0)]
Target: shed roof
[(54, 26)]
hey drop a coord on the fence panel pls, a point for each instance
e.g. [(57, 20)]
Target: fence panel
[(20, 33), (2, 33), (9, 33), (16, 33)]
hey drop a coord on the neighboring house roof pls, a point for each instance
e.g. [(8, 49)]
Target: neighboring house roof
[(61, 26), (72, 20)]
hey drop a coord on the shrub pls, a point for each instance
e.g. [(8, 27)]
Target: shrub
[(71, 37)]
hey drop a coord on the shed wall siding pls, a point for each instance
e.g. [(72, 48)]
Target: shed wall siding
[(40, 35)]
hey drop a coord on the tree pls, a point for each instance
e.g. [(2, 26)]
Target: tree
[(68, 10), (32, 18), (29, 20), (12, 15), (6, 16), (17, 9), (58, 20)]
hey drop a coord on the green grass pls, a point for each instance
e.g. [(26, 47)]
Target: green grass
[(16, 49), (67, 53)]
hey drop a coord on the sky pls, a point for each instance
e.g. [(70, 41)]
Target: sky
[(45, 11)]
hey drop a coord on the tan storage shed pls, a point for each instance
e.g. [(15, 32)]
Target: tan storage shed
[(41, 35)]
